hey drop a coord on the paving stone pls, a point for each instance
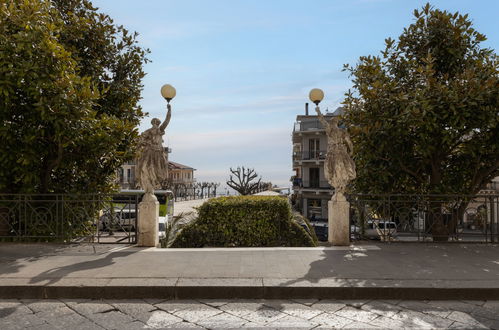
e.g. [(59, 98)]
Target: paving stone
[(197, 312), (222, 320), (485, 313), (307, 302), (459, 325), (454, 305), (135, 325), (160, 319), (45, 326), (421, 320), (328, 305), (55, 312), (492, 305), (214, 302), (183, 325), (474, 302), (360, 325), (21, 320), (289, 322), (356, 314), (298, 310), (241, 307), (139, 310), (172, 306), (387, 323), (155, 301), (381, 308), (62, 320), (263, 315), (331, 320), (462, 317), (13, 307), (89, 307), (42, 305), (354, 303), (111, 320), (489, 323)]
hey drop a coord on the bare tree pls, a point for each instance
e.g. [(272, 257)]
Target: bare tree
[(244, 182)]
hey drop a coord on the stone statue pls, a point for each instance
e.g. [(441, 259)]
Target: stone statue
[(339, 169), (152, 166)]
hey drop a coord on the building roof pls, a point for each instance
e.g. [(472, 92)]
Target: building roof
[(178, 166)]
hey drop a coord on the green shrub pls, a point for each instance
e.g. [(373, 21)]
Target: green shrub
[(244, 221)]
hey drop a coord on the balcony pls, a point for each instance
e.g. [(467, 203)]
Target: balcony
[(310, 125), (309, 155), (314, 185)]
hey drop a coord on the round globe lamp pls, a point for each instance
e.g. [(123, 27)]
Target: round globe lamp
[(316, 95), (168, 92)]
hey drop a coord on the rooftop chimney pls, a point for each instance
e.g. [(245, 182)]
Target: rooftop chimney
[(306, 109)]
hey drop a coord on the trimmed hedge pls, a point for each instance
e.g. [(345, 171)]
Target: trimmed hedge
[(244, 221)]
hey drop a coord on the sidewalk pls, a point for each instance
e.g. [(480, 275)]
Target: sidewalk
[(374, 271)]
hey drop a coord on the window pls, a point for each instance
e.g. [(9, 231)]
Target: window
[(314, 208), (314, 148), (314, 177)]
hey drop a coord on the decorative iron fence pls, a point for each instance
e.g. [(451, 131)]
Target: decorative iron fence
[(432, 218), (69, 218)]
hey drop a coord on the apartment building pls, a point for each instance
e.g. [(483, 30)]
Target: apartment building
[(177, 173), (310, 187)]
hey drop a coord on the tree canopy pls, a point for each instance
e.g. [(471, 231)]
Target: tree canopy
[(424, 115), (70, 82)]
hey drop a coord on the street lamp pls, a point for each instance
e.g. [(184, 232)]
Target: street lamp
[(168, 92), (316, 95)]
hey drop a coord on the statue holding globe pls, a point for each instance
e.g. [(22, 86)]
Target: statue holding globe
[(152, 170)]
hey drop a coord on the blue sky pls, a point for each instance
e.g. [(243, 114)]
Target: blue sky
[(243, 69)]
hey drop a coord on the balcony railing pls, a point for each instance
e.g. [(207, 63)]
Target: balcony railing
[(312, 184), (312, 125), (310, 155)]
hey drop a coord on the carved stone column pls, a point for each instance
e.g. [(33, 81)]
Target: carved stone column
[(148, 221)]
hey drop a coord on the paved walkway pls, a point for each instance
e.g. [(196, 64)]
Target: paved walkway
[(247, 314), (187, 206), (389, 271)]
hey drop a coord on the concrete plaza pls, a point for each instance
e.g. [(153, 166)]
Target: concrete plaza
[(374, 271)]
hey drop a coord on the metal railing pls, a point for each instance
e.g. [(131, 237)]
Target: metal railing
[(310, 155), (191, 191), (69, 218), (425, 218), (316, 185), (311, 125)]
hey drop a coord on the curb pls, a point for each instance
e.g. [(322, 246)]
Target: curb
[(244, 292)]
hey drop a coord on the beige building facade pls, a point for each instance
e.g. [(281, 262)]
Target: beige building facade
[(310, 187), (177, 173)]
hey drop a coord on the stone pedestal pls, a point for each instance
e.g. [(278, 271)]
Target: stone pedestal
[(148, 221), (339, 220)]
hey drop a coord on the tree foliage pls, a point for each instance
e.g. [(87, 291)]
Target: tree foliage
[(424, 114), (70, 82)]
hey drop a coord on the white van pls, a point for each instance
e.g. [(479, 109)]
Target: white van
[(163, 221), (381, 229)]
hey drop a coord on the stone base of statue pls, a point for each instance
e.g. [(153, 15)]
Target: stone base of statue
[(148, 221), (339, 220)]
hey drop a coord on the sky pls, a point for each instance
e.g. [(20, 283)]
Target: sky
[(243, 68)]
